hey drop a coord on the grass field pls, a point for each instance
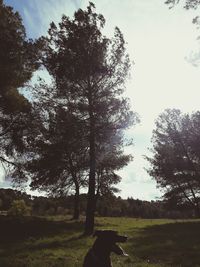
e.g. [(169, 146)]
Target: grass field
[(58, 242)]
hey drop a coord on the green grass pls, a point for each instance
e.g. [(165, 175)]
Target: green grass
[(58, 242)]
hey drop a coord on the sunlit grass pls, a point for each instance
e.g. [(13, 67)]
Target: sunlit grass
[(58, 242)]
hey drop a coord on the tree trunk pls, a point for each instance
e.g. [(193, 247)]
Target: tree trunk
[(91, 200), (77, 192), (197, 210), (76, 204), (91, 203)]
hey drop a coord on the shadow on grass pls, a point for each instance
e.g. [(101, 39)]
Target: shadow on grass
[(176, 244), (15, 229)]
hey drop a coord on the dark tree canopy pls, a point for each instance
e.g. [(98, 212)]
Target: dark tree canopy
[(59, 161), (176, 156), (19, 58), (90, 71)]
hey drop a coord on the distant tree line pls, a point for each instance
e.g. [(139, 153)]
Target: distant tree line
[(108, 206)]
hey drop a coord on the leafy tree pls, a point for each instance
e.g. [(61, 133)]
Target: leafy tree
[(19, 58), (60, 161), (176, 157), (90, 71), (59, 155)]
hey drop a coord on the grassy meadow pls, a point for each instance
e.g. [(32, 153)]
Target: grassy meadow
[(58, 242)]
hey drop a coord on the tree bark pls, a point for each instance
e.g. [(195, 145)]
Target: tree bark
[(197, 210), (91, 199), (77, 191), (76, 204)]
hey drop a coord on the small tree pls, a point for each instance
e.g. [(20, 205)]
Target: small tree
[(19, 208), (59, 161)]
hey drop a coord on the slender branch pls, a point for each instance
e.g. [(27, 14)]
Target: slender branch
[(9, 127), (8, 162)]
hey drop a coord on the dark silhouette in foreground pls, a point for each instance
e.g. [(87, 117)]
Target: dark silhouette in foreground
[(99, 254)]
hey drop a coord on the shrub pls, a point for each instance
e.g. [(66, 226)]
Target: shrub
[(19, 208)]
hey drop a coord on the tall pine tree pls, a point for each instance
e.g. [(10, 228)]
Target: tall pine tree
[(90, 70)]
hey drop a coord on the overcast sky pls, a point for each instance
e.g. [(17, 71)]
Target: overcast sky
[(161, 42)]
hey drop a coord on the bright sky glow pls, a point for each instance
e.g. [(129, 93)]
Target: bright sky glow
[(160, 42)]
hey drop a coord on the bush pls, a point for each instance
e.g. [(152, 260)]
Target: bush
[(19, 208)]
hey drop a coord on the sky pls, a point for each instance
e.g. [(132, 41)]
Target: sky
[(163, 45)]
